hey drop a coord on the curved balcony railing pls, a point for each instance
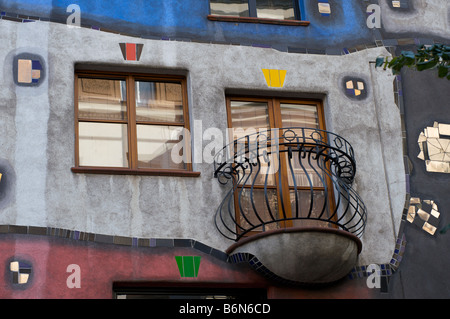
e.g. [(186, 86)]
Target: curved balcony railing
[(289, 177)]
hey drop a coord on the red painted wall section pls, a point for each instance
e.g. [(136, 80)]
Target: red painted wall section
[(101, 265)]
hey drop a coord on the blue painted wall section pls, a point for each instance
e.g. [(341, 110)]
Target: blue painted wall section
[(187, 20)]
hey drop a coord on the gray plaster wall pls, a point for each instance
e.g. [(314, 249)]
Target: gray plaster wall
[(37, 140), (429, 17)]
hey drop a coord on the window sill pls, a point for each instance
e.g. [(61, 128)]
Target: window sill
[(257, 20), (127, 171)]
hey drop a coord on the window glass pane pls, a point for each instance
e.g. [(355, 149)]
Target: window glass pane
[(299, 115), (102, 99), (265, 170), (304, 206), (236, 8), (248, 118), (263, 201), (103, 144), (159, 102), (302, 115), (307, 172), (155, 144), (275, 9)]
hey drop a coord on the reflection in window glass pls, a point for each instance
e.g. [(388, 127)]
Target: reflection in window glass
[(103, 144), (102, 99), (248, 118), (319, 207), (275, 9), (159, 102), (266, 171), (306, 173), (255, 205), (235, 8), (155, 144), (299, 115)]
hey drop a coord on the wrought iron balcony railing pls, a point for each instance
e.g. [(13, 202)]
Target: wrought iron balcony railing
[(288, 177)]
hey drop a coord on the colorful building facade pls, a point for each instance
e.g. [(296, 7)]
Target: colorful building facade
[(221, 149)]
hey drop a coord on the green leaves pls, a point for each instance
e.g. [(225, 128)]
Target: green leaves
[(436, 56), (443, 71), (380, 61), (444, 230)]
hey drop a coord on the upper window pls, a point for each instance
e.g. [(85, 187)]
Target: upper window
[(265, 9), (131, 123)]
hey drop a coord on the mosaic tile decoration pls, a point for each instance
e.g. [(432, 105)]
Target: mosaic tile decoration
[(113, 240), (21, 272), (274, 77), (186, 271), (324, 8), (399, 3), (434, 145), (424, 214), (28, 69), (355, 88), (399, 250), (188, 266), (131, 51), (361, 272), (258, 266)]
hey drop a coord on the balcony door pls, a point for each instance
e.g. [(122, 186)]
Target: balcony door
[(283, 189)]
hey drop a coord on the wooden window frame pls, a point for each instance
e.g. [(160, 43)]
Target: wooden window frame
[(133, 169), (275, 121), (253, 18)]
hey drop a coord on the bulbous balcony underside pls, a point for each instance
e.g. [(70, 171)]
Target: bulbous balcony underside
[(303, 255), (290, 199)]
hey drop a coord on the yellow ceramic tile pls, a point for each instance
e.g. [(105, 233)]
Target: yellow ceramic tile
[(274, 77), (266, 73), (282, 77)]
